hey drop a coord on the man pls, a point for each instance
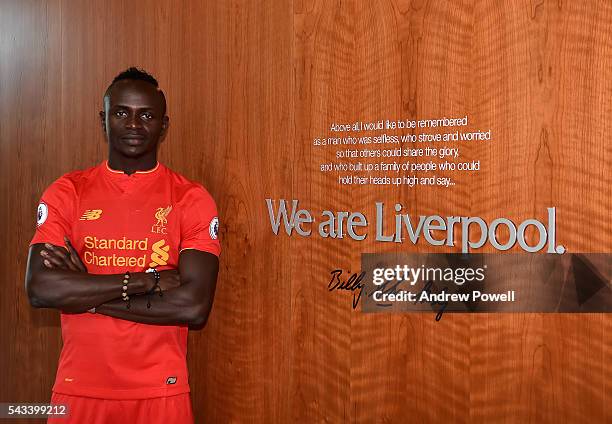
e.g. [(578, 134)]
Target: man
[(125, 329)]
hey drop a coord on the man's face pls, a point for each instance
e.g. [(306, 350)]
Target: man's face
[(133, 118)]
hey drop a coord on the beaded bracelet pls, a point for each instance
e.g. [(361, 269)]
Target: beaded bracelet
[(156, 276), (124, 295)]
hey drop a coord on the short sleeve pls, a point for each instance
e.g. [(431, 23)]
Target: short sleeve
[(55, 212), (199, 222)]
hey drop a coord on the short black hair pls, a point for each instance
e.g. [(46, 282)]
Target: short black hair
[(133, 73)]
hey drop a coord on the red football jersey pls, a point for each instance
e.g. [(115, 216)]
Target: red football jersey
[(121, 223)]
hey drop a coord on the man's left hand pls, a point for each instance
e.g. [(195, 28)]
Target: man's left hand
[(58, 257)]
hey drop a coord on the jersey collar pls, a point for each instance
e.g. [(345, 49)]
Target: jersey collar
[(114, 173)]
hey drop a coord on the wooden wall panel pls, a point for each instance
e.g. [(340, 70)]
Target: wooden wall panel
[(249, 85)]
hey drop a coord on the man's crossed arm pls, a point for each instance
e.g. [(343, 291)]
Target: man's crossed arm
[(57, 278)]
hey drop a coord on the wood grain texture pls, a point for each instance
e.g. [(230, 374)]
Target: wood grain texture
[(249, 85)]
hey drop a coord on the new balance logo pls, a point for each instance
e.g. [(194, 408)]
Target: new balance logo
[(91, 214)]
